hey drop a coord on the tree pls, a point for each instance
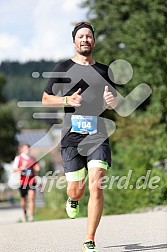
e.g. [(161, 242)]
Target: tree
[(8, 129), (135, 31), (21, 86)]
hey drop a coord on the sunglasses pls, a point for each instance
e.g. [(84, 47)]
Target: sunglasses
[(86, 23)]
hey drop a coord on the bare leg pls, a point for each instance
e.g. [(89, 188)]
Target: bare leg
[(23, 206), (75, 189), (31, 202), (96, 201)]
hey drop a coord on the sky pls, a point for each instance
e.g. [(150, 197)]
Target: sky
[(38, 29)]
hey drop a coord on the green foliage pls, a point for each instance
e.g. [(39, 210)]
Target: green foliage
[(8, 143), (21, 86), (7, 135), (2, 84), (24, 116), (55, 201), (47, 164), (135, 31)]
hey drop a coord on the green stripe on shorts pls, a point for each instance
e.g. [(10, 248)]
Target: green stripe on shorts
[(98, 164), (76, 175)]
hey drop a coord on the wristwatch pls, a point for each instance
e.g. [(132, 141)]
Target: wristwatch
[(64, 100)]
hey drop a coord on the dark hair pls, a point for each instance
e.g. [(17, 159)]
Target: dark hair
[(82, 25)]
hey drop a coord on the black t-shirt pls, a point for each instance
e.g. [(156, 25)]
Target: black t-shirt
[(66, 78)]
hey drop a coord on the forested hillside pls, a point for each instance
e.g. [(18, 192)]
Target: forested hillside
[(21, 86)]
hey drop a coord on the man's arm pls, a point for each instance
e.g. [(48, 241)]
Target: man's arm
[(36, 167), (16, 167), (59, 101), (53, 100)]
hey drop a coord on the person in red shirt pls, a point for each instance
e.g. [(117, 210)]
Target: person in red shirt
[(27, 166)]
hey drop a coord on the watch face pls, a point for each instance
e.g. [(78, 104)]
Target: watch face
[(65, 100)]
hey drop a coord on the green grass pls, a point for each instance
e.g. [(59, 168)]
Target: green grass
[(55, 204), (49, 214), (116, 201), (54, 208)]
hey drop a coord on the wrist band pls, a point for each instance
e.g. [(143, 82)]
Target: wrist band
[(64, 100)]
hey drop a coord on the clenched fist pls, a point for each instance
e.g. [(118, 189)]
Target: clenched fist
[(75, 99)]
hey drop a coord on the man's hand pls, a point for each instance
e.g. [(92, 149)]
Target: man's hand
[(110, 100), (75, 99)]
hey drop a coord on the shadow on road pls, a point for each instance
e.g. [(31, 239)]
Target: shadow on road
[(138, 247)]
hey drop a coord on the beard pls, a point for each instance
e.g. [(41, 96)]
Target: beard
[(85, 52)]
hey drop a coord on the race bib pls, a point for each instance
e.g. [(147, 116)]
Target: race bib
[(84, 124), (27, 172)]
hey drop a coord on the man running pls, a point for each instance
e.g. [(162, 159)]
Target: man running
[(27, 166), (83, 87)]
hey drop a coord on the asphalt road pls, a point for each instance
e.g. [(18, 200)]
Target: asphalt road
[(116, 233), (10, 214)]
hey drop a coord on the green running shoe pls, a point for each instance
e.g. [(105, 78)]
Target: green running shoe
[(72, 208), (89, 246)]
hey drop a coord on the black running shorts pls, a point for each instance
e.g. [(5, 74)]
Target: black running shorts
[(75, 164)]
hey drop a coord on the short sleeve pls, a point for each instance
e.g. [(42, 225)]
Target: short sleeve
[(16, 162), (54, 83), (112, 87)]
